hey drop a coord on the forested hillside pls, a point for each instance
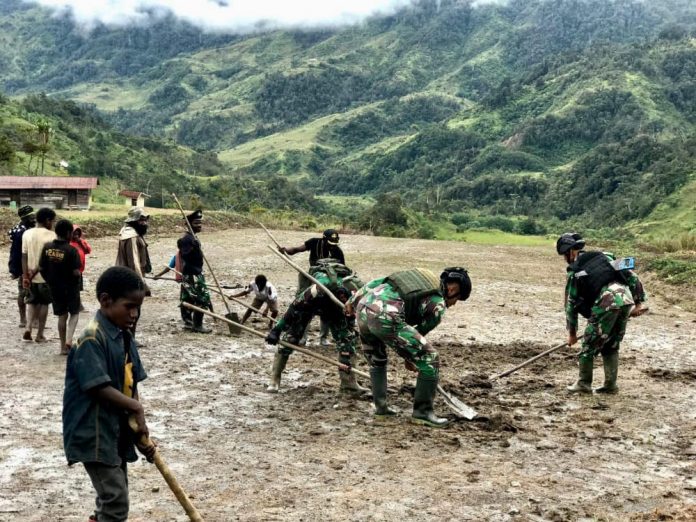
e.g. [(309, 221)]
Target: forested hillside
[(561, 110), (39, 133)]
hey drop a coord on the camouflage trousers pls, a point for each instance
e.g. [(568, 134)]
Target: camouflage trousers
[(604, 331), (194, 290), (297, 318), (379, 330)]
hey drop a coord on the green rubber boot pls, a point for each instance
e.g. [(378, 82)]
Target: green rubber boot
[(584, 382), (611, 372), (378, 377), (426, 388), (279, 362), (349, 383)]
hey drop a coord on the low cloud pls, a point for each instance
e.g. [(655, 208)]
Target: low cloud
[(232, 16), (224, 15)]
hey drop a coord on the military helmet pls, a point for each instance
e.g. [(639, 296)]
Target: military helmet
[(569, 241), (456, 274)]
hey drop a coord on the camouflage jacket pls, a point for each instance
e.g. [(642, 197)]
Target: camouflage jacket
[(614, 295), (381, 297)]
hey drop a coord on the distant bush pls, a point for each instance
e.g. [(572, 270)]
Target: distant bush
[(530, 227)]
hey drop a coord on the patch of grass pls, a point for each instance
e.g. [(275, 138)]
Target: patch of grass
[(446, 231), (674, 270)]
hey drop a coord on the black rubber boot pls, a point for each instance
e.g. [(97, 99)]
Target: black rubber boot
[(198, 325), (378, 377), (349, 383), (611, 372), (186, 316), (584, 382), (279, 362), (426, 388)]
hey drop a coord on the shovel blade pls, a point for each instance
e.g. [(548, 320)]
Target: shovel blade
[(234, 329), (460, 409)]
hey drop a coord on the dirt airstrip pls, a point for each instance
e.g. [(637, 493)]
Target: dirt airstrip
[(311, 454)]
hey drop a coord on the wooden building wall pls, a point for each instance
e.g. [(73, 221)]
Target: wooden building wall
[(53, 198)]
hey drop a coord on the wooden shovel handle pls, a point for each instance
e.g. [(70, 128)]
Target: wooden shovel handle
[(168, 475)]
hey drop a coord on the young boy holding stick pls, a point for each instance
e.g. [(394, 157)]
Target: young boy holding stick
[(101, 379)]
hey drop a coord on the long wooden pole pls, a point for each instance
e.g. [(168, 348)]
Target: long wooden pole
[(269, 234), (210, 268), (346, 368), (530, 361), (312, 279), (169, 476)]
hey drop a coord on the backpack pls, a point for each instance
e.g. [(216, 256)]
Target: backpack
[(339, 275), (592, 272), (413, 285)]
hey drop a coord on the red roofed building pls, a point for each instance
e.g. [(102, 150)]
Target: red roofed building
[(60, 192), (133, 198)]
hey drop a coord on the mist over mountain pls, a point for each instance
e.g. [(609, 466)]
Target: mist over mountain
[(561, 110)]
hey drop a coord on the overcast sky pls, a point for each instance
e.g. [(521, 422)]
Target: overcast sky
[(229, 15)]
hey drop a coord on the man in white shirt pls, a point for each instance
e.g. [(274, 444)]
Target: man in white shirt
[(264, 293), (38, 293)]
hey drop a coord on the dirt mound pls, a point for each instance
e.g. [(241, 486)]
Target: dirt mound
[(687, 375)]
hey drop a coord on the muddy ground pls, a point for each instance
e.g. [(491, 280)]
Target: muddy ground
[(309, 453)]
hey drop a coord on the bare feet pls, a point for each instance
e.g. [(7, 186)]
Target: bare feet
[(40, 339), (65, 349)]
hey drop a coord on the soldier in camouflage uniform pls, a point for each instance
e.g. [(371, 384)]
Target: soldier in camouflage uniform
[(313, 301), (607, 296), (397, 311)]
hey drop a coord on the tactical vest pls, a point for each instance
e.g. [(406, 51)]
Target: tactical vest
[(592, 272), (412, 286)]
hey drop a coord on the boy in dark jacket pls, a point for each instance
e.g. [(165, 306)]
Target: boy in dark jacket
[(101, 380)]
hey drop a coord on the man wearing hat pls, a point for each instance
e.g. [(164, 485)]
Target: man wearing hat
[(27, 220), (132, 248), (194, 289), (325, 247)]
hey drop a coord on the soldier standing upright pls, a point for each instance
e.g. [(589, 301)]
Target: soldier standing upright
[(194, 290)]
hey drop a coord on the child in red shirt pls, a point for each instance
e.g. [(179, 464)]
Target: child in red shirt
[(83, 248)]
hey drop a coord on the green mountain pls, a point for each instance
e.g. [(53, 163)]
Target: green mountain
[(565, 110)]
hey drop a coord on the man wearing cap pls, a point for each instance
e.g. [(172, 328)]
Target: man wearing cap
[(27, 220), (132, 248), (194, 289), (325, 247)]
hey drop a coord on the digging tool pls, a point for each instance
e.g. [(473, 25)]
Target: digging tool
[(230, 314), (169, 477), (239, 301), (530, 361), (344, 367), (457, 406), (162, 278), (269, 234), (304, 273)]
